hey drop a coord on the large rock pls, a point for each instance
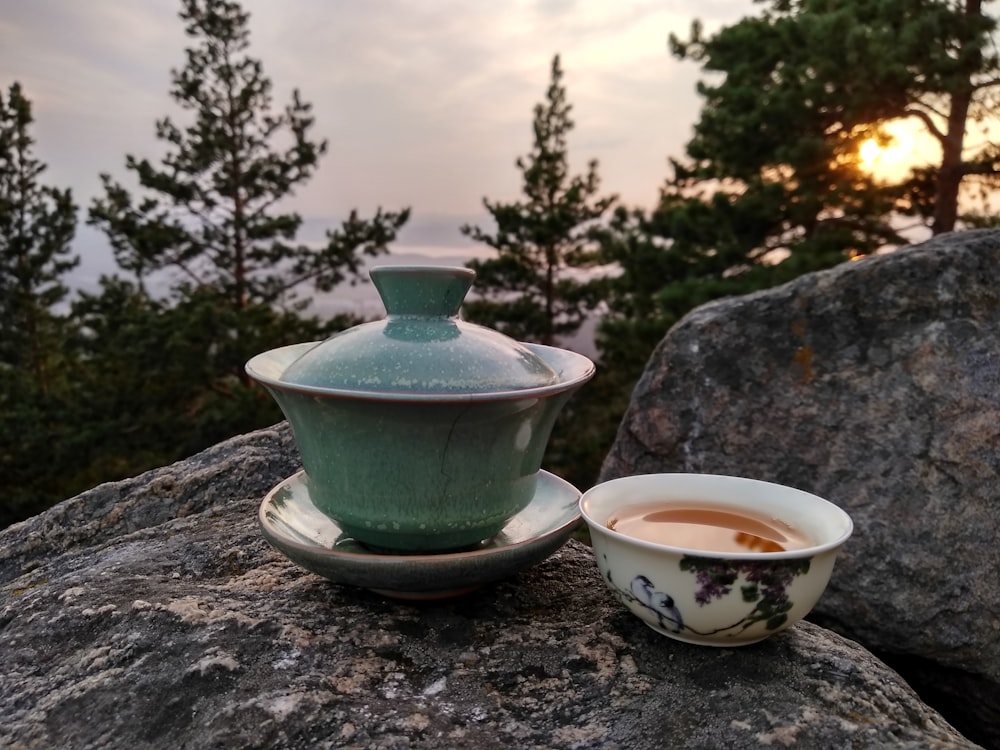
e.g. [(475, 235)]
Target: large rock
[(876, 385), (150, 613)]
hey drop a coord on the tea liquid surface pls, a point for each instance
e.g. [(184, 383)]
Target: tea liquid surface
[(710, 529)]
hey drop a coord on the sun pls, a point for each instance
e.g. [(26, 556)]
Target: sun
[(905, 145), (869, 153)]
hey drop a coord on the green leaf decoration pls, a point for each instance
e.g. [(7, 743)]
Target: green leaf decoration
[(776, 622)]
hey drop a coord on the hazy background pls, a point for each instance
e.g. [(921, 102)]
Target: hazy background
[(425, 103)]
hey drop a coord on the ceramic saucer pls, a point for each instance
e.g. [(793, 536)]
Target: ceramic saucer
[(296, 528)]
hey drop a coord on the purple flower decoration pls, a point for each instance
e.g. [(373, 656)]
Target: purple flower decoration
[(766, 583)]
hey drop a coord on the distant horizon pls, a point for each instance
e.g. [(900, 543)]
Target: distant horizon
[(97, 257), (362, 300)]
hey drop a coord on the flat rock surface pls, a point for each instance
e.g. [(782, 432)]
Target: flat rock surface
[(876, 385), (162, 619)]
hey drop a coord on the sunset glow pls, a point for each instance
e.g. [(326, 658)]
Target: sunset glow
[(869, 153), (908, 145)]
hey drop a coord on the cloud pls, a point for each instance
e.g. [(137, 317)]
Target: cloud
[(437, 97), (425, 103), (88, 58)]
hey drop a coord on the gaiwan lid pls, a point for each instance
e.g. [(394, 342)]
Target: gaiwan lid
[(421, 346)]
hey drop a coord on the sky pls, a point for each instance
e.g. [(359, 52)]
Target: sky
[(425, 103)]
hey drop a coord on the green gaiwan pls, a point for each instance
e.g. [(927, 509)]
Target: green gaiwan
[(421, 432)]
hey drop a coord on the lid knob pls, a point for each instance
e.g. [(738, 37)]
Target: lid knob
[(423, 290)]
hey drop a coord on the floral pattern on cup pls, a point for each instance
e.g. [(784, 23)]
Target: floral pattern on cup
[(764, 586)]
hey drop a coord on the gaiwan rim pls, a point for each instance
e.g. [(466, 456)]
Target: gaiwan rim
[(571, 368), (601, 528)]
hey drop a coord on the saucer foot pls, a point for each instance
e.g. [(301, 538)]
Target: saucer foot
[(427, 596)]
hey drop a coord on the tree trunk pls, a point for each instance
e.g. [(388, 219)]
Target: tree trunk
[(949, 178), (548, 337)]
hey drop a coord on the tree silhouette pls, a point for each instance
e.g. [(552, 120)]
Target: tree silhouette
[(526, 290), (37, 224), (211, 211), (809, 80)]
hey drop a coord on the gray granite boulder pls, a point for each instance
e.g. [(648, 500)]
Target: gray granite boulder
[(876, 385), (150, 613)]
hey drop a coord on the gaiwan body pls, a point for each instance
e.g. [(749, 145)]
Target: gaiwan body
[(421, 432)]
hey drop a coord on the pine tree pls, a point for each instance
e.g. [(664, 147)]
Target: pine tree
[(210, 212), (217, 272), (526, 291), (37, 224), (796, 90)]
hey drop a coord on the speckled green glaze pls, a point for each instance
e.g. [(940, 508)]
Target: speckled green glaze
[(414, 453), (421, 345)]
